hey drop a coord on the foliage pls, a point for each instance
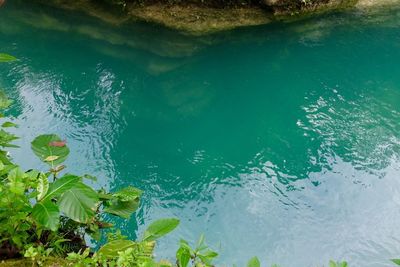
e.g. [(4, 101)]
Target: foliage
[(46, 214), (338, 264), (396, 261), (201, 255), (6, 58)]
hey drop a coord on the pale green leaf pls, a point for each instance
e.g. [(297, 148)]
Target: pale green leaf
[(42, 186), (51, 158), (160, 228)]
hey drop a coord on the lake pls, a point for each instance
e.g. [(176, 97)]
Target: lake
[(281, 141)]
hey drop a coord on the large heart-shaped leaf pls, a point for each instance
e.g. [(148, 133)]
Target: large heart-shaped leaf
[(46, 214), (6, 58), (112, 248), (79, 203), (160, 228), (50, 149), (60, 186)]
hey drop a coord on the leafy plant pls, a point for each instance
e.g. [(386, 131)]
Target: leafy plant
[(396, 261), (201, 255), (47, 214), (337, 264), (254, 262)]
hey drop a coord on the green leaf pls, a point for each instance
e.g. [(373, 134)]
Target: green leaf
[(183, 256), (112, 248), (15, 181), (160, 228), (43, 186), (6, 58), (396, 261), (43, 148), (128, 193), (8, 124), (6, 138), (61, 185), (4, 101), (46, 214), (79, 203), (253, 262), (208, 256), (201, 245), (122, 209)]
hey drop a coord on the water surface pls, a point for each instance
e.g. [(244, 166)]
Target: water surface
[(281, 141)]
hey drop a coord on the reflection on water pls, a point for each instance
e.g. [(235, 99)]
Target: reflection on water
[(280, 141)]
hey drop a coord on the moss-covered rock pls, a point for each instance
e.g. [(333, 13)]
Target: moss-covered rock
[(199, 17)]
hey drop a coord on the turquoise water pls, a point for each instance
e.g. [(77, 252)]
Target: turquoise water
[(281, 141)]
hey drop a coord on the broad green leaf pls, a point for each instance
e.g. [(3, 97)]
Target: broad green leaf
[(43, 186), (8, 124), (253, 262), (160, 228), (46, 214), (4, 101), (6, 58), (61, 185), (128, 194), (396, 261), (122, 209), (112, 248), (43, 148), (79, 203), (16, 181), (183, 256)]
